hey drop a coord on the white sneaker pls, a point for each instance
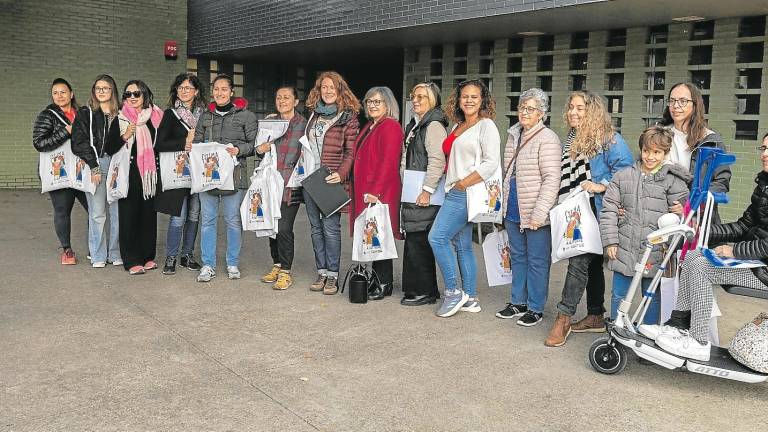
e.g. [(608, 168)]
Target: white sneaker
[(653, 331), (117, 262), (100, 264), (471, 305), (206, 274), (684, 345), (233, 272)]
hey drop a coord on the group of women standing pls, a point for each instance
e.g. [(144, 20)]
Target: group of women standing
[(538, 172)]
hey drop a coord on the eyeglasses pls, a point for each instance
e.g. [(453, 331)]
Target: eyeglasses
[(761, 148), (135, 94), (682, 103), (418, 97), (185, 89), (373, 102), (102, 89), (526, 109)]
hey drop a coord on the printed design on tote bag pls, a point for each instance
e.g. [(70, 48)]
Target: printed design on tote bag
[(371, 241), (494, 194), (115, 175), (182, 165), (256, 210), (79, 170), (300, 166), (58, 167), (211, 167), (573, 227), (505, 255)]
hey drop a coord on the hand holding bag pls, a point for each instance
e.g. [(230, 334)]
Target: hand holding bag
[(373, 239), (574, 228), (211, 167)]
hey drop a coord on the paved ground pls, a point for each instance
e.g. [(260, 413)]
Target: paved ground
[(95, 349)]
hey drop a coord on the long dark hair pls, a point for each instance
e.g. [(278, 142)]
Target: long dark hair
[(173, 96), (149, 99), (58, 81), (697, 124), (487, 103), (114, 102)]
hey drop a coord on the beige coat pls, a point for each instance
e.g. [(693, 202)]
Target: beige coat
[(538, 173)]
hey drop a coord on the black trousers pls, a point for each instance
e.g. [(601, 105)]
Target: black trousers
[(138, 225), (419, 269), (281, 248), (383, 269), (63, 200), (585, 272)]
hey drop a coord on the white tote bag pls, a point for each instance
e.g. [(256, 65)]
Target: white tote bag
[(305, 166), (175, 170), (498, 259), (574, 228), (211, 167), (260, 209), (82, 178), (117, 177), (373, 239), (484, 200), (55, 168)]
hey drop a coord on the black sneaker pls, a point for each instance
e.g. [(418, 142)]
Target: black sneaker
[(188, 261), (170, 265), (530, 319), (512, 311)]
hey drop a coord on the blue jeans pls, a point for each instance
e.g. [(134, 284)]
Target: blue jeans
[(97, 221), (209, 215), (621, 285), (186, 224), (530, 258), (451, 230), (326, 238)]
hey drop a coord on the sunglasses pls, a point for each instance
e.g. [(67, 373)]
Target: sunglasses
[(135, 94)]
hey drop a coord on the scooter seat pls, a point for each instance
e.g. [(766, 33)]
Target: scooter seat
[(747, 292)]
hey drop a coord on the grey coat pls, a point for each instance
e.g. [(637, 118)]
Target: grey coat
[(644, 199)]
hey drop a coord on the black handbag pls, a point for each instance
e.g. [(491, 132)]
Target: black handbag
[(361, 279)]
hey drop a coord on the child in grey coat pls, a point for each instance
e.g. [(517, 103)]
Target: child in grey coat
[(635, 199)]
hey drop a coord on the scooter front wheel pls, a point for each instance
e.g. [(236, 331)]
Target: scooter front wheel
[(607, 356)]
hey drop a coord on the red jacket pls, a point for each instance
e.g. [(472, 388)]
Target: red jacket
[(338, 143), (377, 170)]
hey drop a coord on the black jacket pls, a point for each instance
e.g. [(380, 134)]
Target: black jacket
[(750, 232), (171, 137), (114, 143), (414, 218), (81, 135), (48, 132)]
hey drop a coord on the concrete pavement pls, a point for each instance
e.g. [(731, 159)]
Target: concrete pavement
[(85, 349)]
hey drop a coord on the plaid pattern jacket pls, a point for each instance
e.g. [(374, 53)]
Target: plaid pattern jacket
[(288, 152)]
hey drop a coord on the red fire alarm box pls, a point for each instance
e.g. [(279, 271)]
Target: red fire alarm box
[(171, 50)]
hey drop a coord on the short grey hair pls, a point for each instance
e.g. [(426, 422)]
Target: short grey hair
[(541, 98), (393, 109)]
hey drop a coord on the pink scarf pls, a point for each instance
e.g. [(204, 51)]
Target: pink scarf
[(145, 154)]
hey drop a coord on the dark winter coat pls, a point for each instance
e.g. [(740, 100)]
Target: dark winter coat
[(48, 132), (83, 128), (644, 199), (750, 233), (415, 218), (338, 152), (171, 137)]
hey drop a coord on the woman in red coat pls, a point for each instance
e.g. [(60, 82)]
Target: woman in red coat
[(377, 171)]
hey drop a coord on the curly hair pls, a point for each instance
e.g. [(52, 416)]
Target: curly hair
[(346, 99), (487, 104), (595, 132)]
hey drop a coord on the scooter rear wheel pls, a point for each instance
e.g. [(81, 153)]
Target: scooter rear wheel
[(607, 356)]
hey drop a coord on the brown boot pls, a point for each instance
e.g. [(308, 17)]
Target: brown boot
[(559, 332), (590, 324)]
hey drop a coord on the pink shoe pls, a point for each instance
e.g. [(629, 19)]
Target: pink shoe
[(150, 265), (136, 270), (68, 257)]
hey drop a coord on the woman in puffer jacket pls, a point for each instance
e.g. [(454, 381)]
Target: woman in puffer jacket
[(53, 128), (227, 121), (531, 180), (645, 192), (686, 334)]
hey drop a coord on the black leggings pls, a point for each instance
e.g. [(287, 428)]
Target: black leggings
[(63, 200)]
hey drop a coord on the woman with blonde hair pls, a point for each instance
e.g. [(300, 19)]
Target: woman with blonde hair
[(593, 152), (331, 131)]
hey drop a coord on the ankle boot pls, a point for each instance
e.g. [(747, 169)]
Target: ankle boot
[(388, 287), (377, 292), (589, 324), (559, 332)]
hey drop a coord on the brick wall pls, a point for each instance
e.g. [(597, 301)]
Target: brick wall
[(42, 40), (255, 23)]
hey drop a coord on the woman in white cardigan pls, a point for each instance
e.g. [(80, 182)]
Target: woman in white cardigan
[(473, 156)]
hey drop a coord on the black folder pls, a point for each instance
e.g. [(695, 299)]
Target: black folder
[(330, 198)]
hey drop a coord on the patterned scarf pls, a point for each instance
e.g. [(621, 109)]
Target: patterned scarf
[(189, 117), (145, 154), (572, 172)]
